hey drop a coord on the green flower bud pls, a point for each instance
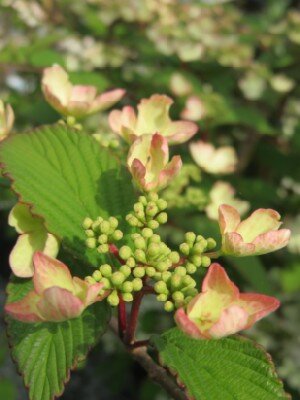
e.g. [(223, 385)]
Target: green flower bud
[(176, 281), (151, 209), (117, 235), (125, 270), (90, 243), (199, 247), (211, 243), (199, 238), (137, 284), (90, 233), (130, 262), (90, 279), (139, 272), (106, 283), (117, 278), (147, 232), (169, 306), (188, 281), (140, 255), (155, 238), (132, 221), (152, 224), (140, 214), (153, 250), (87, 223), (165, 276), (102, 239), (162, 297), (190, 238), (113, 299), (143, 200), (174, 257), (127, 287), (127, 297), (162, 218), (205, 261), (162, 266), (152, 196), (103, 248), (99, 220), (105, 227), (138, 207), (161, 204), (178, 296), (185, 249), (191, 268), (188, 299), (161, 287), (106, 270), (150, 271), (180, 271), (125, 252), (140, 243), (158, 276), (95, 226), (192, 292), (97, 275), (196, 260), (113, 222)]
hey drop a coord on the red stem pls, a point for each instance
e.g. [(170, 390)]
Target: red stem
[(122, 318), (115, 252), (129, 338)]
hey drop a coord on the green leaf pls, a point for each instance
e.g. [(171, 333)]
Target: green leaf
[(46, 352), (66, 176), (233, 368)]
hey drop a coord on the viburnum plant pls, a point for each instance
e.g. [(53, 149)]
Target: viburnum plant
[(90, 249)]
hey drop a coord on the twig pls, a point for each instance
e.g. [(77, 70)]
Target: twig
[(129, 337), (122, 318)]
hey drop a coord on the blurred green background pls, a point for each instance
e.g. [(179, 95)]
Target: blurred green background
[(240, 61)]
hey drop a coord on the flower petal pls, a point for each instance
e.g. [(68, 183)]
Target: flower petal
[(232, 320), (180, 131), (22, 220), (107, 99), (232, 243), (229, 218), (271, 241), (169, 172), (186, 325), (122, 121), (26, 309), (58, 304), (260, 221), (49, 272)]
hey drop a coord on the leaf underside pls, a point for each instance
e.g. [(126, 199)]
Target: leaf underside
[(233, 368)]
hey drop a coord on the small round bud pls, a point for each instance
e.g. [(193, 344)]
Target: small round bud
[(191, 268), (153, 250), (125, 252), (162, 297), (151, 209), (158, 276), (138, 207), (150, 271), (127, 287), (97, 275), (185, 249), (90, 279), (102, 239), (103, 248), (87, 223), (188, 281), (190, 237), (127, 297), (180, 271), (169, 306), (130, 262), (162, 266), (137, 284), (147, 232), (105, 227), (113, 222), (140, 255), (161, 287), (190, 292), (106, 270), (106, 283), (155, 238), (161, 204), (205, 261), (139, 272), (174, 257), (165, 276), (140, 243), (125, 270), (178, 296), (152, 224), (188, 299), (211, 243), (199, 238), (196, 260), (162, 218), (90, 233), (176, 281), (152, 196), (95, 226), (117, 235), (113, 299), (199, 248), (117, 278), (90, 243), (143, 200)]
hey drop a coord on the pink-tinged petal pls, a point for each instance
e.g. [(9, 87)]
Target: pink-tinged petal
[(93, 294), (120, 120), (194, 109), (138, 172), (257, 306), (115, 121), (107, 99), (49, 272), (229, 218), (259, 222), (83, 93), (186, 325), (181, 131), (169, 172), (232, 320), (26, 309), (232, 243), (59, 304), (271, 241), (159, 153), (217, 280)]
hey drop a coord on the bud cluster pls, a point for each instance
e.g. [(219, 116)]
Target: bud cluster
[(148, 212), (101, 232)]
